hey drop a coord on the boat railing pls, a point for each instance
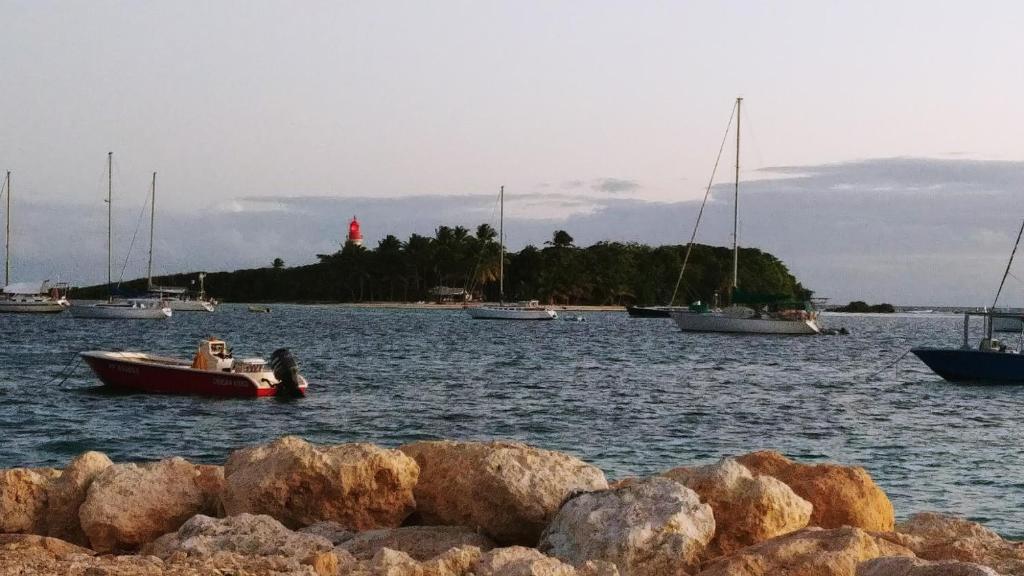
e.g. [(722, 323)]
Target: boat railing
[(988, 316)]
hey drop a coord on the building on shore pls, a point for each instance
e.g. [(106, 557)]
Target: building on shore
[(448, 295)]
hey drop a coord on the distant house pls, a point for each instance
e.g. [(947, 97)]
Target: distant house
[(445, 294)]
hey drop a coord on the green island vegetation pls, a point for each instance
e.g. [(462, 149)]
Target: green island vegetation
[(859, 306), (559, 272)]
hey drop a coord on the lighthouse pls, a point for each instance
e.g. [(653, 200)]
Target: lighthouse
[(354, 237)]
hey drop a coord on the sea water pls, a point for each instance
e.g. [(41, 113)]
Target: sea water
[(633, 396)]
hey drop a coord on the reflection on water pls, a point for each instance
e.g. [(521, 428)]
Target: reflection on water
[(633, 396)]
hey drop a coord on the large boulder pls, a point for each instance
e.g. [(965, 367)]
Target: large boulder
[(128, 505), (66, 494), (246, 534), (420, 542), (809, 552), (948, 538), (509, 491), (747, 509), (905, 566), (359, 486), (23, 499), (654, 527), (841, 495)]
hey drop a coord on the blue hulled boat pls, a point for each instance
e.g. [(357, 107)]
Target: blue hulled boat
[(991, 362)]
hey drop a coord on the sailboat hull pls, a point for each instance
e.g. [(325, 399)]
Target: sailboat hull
[(104, 311), (32, 307), (653, 311), (510, 313), (191, 306), (718, 322)]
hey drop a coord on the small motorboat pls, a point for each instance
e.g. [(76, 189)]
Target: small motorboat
[(991, 362), (213, 372), (259, 309)]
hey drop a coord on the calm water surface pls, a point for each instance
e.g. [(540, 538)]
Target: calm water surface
[(633, 396)]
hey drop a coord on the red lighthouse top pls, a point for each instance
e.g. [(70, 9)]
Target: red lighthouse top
[(354, 235)]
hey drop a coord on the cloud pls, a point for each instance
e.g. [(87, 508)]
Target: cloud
[(614, 185)]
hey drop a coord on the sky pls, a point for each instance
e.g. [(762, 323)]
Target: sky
[(877, 137)]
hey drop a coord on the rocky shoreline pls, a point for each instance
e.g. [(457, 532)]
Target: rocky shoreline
[(444, 508)]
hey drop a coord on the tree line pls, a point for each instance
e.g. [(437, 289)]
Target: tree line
[(557, 272)]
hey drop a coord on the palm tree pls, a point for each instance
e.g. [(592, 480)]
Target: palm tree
[(417, 253), (388, 263)]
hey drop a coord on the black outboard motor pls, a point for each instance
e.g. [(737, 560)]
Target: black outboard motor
[(286, 370)]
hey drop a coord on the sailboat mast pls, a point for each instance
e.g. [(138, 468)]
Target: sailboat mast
[(7, 244), (110, 218), (152, 219), (736, 206), (501, 243)]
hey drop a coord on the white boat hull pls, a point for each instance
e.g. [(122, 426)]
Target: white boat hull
[(31, 307), (511, 313), (191, 306), (106, 311), (718, 322)]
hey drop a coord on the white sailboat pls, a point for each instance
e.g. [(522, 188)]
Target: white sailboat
[(530, 310), (778, 319), (178, 299), (120, 308), (27, 297)]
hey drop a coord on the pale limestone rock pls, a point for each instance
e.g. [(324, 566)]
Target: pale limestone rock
[(388, 562), (520, 561), (455, 562), (333, 531), (747, 509), (509, 491), (905, 566), (245, 534), (420, 542), (128, 505), (23, 499), (653, 527), (945, 538), (359, 486), (809, 552), (53, 547), (840, 495), (66, 494)]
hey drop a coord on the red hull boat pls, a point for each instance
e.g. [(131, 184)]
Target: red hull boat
[(213, 372)]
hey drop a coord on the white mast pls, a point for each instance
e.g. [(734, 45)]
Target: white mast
[(152, 218), (501, 243), (110, 218), (736, 208), (7, 249)]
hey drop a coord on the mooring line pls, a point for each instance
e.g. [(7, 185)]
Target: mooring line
[(887, 366), (65, 373)]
